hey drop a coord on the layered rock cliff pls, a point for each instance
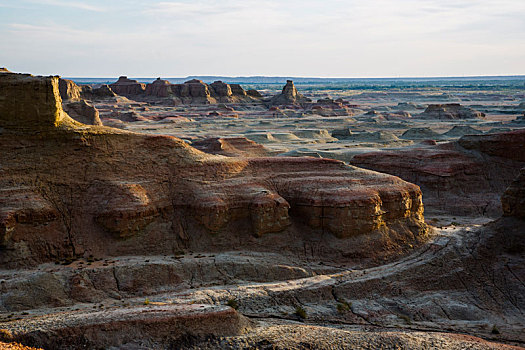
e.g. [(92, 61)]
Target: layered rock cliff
[(466, 177), (68, 189)]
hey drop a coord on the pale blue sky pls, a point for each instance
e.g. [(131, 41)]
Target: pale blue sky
[(325, 38)]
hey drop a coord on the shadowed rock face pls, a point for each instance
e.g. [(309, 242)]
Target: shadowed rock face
[(513, 200), (103, 191), (69, 91), (450, 111), (83, 112), (463, 177), (289, 96)]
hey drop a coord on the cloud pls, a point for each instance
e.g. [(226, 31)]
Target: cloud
[(65, 3)]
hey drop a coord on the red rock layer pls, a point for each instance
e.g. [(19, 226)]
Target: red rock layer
[(68, 189)]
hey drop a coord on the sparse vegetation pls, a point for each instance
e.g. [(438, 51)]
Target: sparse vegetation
[(146, 301), (495, 330), (233, 304), (405, 318), (343, 307), (300, 312)]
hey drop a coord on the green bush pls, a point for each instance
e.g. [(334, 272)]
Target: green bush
[(299, 311)]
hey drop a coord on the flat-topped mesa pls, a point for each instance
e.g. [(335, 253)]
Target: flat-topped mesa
[(289, 96), (450, 111), (513, 200), (128, 87), (31, 103), (159, 88), (84, 190)]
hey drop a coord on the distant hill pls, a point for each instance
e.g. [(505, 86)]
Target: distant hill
[(308, 80)]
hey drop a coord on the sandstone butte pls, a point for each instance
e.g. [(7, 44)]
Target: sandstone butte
[(191, 92), (68, 189)]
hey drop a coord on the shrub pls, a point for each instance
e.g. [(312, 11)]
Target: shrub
[(233, 304), (299, 311)]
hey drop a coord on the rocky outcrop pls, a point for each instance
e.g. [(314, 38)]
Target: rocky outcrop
[(69, 91), (4, 70), (128, 87), (29, 103), (289, 96), (100, 93), (163, 324), (449, 111), (108, 192), (159, 88), (421, 134), (254, 93), (513, 200), (509, 145), (461, 130), (232, 147), (466, 177), (83, 112)]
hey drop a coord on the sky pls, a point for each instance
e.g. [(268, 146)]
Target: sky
[(299, 38)]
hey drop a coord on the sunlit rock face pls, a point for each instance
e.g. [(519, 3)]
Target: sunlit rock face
[(69, 189)]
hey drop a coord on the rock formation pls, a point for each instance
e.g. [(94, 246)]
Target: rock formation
[(289, 96), (159, 88), (69, 91), (232, 147), (513, 200), (450, 111), (82, 112), (128, 87), (466, 177), (106, 192), (100, 93)]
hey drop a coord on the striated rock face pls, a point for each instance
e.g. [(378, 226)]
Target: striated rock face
[(232, 147), (69, 91), (128, 87), (83, 112), (289, 96), (106, 192), (513, 200), (450, 111), (463, 177), (221, 89), (510, 145), (191, 92), (29, 103), (159, 88)]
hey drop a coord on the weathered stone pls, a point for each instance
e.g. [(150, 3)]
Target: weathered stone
[(83, 112)]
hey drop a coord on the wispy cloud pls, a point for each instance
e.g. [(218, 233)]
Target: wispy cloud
[(68, 4)]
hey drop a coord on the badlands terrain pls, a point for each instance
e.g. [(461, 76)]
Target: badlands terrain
[(201, 214)]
